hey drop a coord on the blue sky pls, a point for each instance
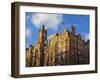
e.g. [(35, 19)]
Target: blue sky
[(54, 23)]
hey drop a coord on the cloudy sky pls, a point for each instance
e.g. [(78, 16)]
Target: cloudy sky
[(54, 23)]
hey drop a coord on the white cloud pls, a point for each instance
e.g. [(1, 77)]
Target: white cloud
[(50, 21), (28, 32), (86, 37)]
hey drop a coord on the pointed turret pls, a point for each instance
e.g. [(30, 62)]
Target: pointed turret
[(72, 29)]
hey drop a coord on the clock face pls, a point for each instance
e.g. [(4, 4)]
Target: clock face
[(45, 42), (44, 35)]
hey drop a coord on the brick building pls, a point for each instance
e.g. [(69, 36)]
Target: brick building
[(65, 48)]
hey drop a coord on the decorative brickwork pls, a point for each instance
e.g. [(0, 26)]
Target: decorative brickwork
[(65, 48)]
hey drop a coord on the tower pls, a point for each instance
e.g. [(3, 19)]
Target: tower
[(42, 41), (42, 35), (73, 52)]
